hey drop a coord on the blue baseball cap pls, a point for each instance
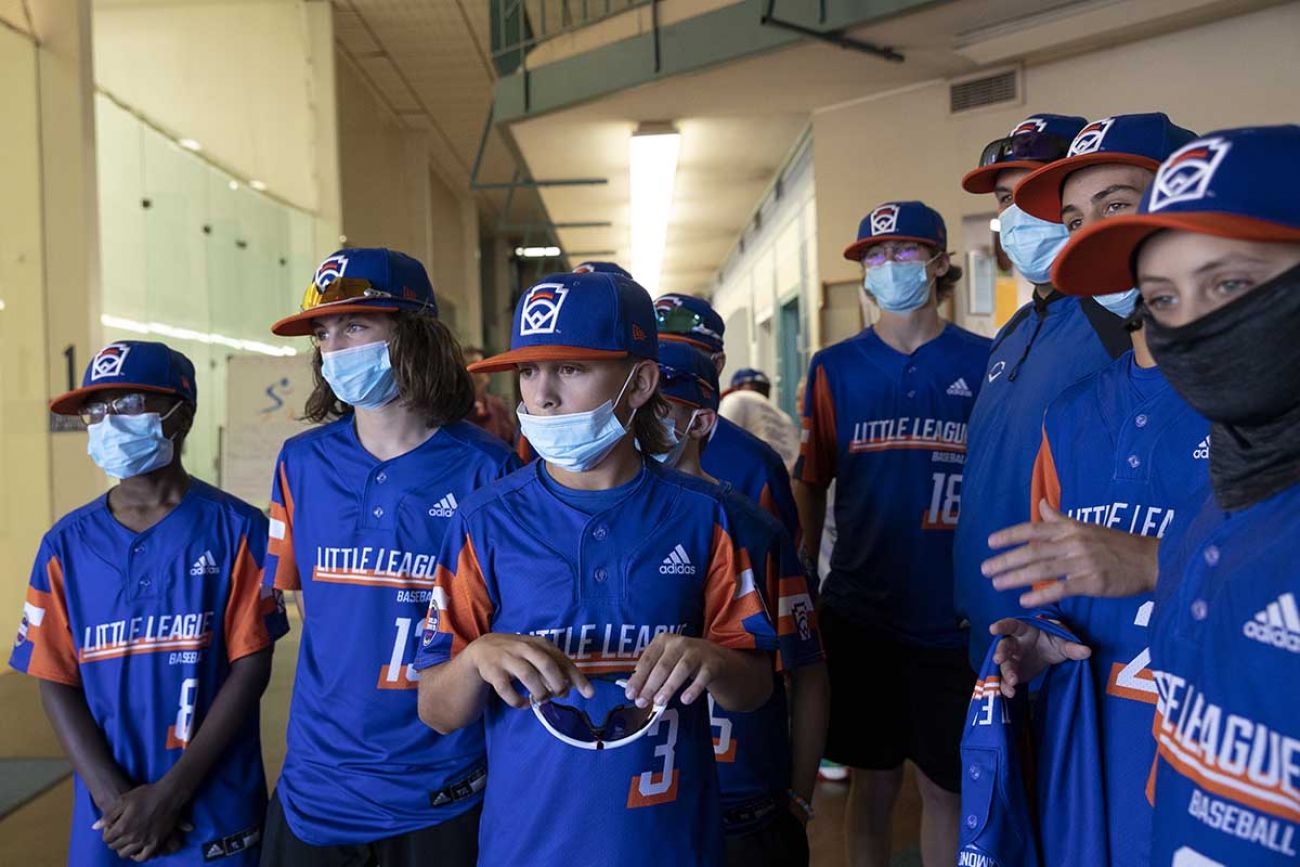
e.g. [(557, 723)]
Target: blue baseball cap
[(1142, 140), (899, 221), (1236, 183), (361, 280), (687, 374), (575, 317), (747, 375), (132, 365), (691, 320), (1033, 143), (603, 267)]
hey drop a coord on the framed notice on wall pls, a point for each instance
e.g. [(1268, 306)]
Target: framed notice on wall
[(981, 278), (264, 404)]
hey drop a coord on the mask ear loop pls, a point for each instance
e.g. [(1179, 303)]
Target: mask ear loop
[(621, 392)]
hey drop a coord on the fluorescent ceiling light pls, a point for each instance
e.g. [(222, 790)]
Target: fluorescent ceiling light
[(995, 225), (2, 305), (234, 185), (537, 252), (177, 333), (190, 144), (257, 185), (653, 168)]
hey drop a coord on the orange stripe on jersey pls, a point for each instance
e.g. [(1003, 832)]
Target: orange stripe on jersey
[(281, 542), (54, 657), (245, 623), (1115, 688), (906, 443), (138, 646), (370, 578), (819, 441), (653, 782), (730, 594), (468, 608), (766, 503), (1044, 485), (1151, 781), (1274, 799), (728, 755)]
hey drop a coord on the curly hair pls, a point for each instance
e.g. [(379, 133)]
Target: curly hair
[(428, 365), (947, 282), (648, 424)]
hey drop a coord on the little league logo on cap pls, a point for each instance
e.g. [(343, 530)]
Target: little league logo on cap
[(884, 219), (1186, 176), (108, 361), (330, 270), (1090, 137), (1029, 124), (542, 305)]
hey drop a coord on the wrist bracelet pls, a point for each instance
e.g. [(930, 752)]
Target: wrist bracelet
[(800, 803)]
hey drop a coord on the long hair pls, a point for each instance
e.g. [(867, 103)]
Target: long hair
[(429, 368), (947, 282), (648, 425)]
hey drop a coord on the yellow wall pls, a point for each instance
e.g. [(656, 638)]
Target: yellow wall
[(1233, 72)]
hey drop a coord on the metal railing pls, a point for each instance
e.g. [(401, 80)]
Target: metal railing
[(518, 26)]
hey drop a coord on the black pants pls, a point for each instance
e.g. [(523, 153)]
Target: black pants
[(782, 843), (453, 843)]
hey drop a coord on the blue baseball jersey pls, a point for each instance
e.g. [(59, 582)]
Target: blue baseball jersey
[(1058, 821), (890, 429), (359, 537), (663, 559), (754, 469), (1225, 652), (1121, 449), (147, 626), (753, 749), (1047, 345)]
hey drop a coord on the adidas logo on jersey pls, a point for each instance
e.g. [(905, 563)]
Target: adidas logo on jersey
[(205, 565), (677, 563), (1278, 624), (1202, 452), (960, 388), (445, 508)]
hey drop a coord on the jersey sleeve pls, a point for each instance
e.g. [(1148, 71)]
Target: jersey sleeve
[(250, 608), (798, 639), (44, 647), (281, 570), (818, 441), (734, 614), (461, 608), (777, 499)]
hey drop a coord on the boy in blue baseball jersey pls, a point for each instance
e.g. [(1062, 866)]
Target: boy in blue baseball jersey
[(147, 624), (885, 416), (359, 509), (1048, 344), (767, 759), (755, 469), (1214, 248), (585, 605), (1120, 450)]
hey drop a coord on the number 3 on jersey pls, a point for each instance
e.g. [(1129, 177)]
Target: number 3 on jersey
[(658, 786), (1134, 681), (398, 673)]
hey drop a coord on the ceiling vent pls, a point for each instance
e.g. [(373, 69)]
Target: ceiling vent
[(986, 89)]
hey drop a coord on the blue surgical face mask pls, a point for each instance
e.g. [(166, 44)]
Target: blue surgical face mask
[(899, 287), (576, 441), (1119, 303), (1030, 243), (361, 376), (130, 445), (673, 456)]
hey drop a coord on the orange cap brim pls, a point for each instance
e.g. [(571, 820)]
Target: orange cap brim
[(1040, 194), (70, 402), (299, 324), (985, 178), (673, 337), (526, 354), (1099, 259)]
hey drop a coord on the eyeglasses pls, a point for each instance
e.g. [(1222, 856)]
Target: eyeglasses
[(340, 289), (683, 320), (623, 723), (1043, 147), (134, 403), (879, 254)]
